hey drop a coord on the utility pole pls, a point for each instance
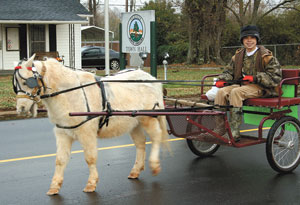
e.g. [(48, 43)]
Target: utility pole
[(106, 27), (126, 5), (131, 5)]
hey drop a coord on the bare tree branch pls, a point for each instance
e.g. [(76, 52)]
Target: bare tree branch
[(244, 6), (291, 8), (247, 5), (275, 7), (255, 11), (235, 14)]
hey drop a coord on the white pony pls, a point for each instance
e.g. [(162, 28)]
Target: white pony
[(33, 81)]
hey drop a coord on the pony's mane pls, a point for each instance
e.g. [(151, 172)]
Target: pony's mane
[(54, 64)]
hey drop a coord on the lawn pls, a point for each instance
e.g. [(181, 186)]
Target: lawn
[(7, 95)]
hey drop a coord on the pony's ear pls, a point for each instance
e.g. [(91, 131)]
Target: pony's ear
[(30, 61)]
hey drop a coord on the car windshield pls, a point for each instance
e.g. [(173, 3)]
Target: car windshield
[(84, 48)]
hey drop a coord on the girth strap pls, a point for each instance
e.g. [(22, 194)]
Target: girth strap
[(105, 104)]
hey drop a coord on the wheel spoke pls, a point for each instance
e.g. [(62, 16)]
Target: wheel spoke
[(282, 157)]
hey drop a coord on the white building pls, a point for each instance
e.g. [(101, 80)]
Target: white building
[(30, 26)]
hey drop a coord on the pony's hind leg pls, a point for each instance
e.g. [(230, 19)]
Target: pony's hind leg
[(152, 127), (63, 144), (88, 141), (139, 139)]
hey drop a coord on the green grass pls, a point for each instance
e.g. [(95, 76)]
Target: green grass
[(8, 97)]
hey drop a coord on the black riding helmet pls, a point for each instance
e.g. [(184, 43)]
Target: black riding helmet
[(249, 30)]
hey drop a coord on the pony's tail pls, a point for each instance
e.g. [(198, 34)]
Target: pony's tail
[(165, 135)]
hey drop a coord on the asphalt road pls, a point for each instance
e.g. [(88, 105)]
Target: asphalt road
[(231, 176)]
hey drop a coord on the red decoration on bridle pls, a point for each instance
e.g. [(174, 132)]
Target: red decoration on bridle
[(19, 67)]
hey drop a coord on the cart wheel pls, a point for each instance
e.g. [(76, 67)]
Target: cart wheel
[(202, 149), (199, 148), (283, 145)]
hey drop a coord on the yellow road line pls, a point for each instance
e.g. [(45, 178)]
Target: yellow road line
[(76, 152), (250, 130), (102, 148)]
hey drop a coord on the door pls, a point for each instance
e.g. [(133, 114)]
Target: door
[(1, 47), (23, 41), (52, 37)]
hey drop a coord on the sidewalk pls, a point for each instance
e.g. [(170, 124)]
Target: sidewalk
[(9, 112), (6, 72), (9, 115), (12, 115)]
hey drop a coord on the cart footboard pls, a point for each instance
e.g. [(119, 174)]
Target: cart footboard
[(199, 126)]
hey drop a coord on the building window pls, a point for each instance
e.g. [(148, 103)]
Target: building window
[(12, 39), (37, 38)]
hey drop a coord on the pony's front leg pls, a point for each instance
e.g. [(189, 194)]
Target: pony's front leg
[(139, 140), (89, 144), (63, 144), (152, 127)]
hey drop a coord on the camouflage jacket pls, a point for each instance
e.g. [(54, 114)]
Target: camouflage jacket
[(262, 65)]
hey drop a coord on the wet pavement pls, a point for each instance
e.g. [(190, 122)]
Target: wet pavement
[(231, 176)]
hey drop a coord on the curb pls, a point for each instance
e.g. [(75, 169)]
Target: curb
[(11, 112), (12, 115)]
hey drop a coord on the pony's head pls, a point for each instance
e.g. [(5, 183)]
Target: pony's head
[(28, 85)]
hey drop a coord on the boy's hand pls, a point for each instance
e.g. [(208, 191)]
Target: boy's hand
[(248, 79), (220, 83)]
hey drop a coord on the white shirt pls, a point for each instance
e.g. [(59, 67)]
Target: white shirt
[(252, 52)]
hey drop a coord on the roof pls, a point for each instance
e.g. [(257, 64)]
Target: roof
[(93, 29), (42, 10)]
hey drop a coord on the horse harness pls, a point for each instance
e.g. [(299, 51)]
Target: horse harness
[(36, 83), (105, 104)]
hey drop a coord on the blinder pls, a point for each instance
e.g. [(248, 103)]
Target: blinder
[(31, 82)]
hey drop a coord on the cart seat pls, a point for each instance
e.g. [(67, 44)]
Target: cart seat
[(289, 84), (272, 102), (267, 102)]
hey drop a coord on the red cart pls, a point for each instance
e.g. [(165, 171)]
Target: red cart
[(278, 115)]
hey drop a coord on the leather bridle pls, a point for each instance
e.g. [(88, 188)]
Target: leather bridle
[(35, 83)]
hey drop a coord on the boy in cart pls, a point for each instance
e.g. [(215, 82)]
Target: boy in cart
[(255, 73)]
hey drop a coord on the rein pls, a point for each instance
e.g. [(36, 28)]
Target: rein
[(173, 82), (66, 90)]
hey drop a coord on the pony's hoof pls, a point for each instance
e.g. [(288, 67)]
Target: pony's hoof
[(156, 171), (89, 188), (133, 175), (52, 191)]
